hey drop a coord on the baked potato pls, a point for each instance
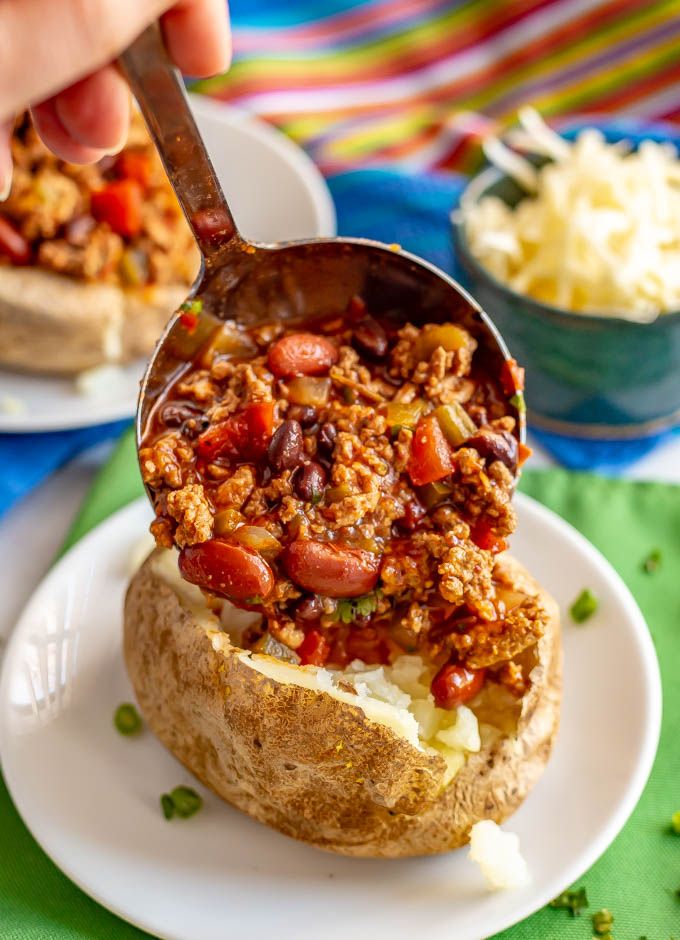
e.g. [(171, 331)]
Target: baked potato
[(336, 759), (51, 323)]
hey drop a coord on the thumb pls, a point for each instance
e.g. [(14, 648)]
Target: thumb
[(6, 128)]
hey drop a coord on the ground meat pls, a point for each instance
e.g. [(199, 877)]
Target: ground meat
[(168, 461), (466, 576), (235, 490), (479, 491), (193, 514), (489, 643)]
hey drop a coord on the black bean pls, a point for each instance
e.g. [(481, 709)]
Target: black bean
[(309, 609), (286, 446), (370, 338), (310, 482), (173, 414), (496, 445), (305, 414), (326, 438)]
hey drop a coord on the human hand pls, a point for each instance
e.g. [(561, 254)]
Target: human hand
[(56, 58)]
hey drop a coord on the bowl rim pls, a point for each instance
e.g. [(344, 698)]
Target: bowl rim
[(474, 190)]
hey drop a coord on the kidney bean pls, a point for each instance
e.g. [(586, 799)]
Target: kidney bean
[(305, 414), (301, 354), (311, 482), (12, 243), (370, 338), (454, 685), (326, 438), (413, 513), (331, 569), (227, 569), (496, 445), (286, 447), (309, 609), (78, 230)]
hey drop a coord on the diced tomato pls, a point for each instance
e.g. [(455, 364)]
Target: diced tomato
[(189, 320), (245, 435), (483, 535), (134, 165), (431, 457), (512, 377), (367, 644), (524, 454), (356, 308), (231, 570), (13, 244), (119, 204), (454, 685), (315, 649)]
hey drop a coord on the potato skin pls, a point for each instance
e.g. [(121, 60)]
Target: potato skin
[(308, 765), (53, 324)]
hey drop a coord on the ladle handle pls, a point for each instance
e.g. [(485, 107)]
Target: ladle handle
[(159, 90)]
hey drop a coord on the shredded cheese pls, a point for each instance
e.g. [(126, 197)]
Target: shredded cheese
[(599, 231)]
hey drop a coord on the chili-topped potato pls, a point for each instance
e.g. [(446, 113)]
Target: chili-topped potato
[(330, 634), (93, 259)]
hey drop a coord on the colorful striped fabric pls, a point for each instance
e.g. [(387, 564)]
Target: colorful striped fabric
[(415, 82)]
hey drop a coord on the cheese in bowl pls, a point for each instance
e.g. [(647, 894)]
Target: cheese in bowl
[(598, 231)]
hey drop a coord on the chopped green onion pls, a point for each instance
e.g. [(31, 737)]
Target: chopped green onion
[(167, 805), (127, 720), (602, 921), (573, 901), (192, 306), (348, 609), (182, 801), (652, 562), (518, 401), (584, 606), (675, 821)]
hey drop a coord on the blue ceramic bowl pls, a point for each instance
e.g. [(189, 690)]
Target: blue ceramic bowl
[(587, 376)]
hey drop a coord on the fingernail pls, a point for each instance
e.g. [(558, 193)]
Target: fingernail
[(6, 166)]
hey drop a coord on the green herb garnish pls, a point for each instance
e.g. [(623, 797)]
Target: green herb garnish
[(192, 306), (167, 805), (127, 719), (254, 600), (182, 801), (584, 606), (652, 562), (317, 496), (518, 401), (573, 901), (602, 921), (348, 609)]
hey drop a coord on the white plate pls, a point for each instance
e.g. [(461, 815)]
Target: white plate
[(90, 797), (275, 192)]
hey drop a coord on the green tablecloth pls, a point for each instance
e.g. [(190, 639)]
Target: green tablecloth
[(637, 876)]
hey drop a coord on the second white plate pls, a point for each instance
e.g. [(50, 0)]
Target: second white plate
[(90, 797), (276, 194)]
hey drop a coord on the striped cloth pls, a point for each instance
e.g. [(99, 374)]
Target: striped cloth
[(364, 83)]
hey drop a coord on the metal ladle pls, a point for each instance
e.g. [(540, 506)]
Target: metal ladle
[(255, 283)]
